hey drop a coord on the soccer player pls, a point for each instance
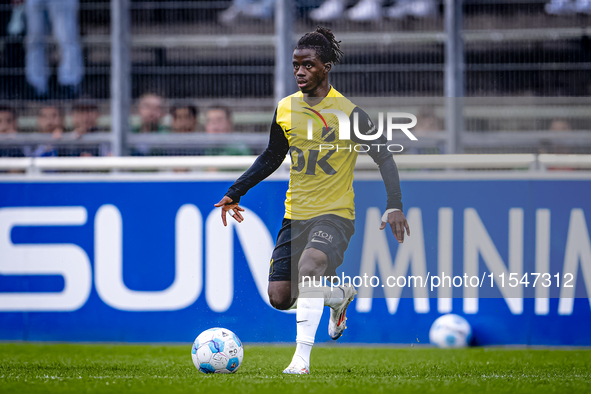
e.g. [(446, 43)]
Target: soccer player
[(319, 208)]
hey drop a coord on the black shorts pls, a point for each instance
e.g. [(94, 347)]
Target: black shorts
[(327, 233)]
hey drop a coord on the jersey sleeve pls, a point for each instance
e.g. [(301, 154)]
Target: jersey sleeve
[(380, 155), (264, 165)]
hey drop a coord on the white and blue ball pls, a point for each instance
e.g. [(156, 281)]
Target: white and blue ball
[(450, 331), (217, 350)]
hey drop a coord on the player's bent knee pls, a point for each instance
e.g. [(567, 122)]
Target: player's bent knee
[(280, 295), (281, 302)]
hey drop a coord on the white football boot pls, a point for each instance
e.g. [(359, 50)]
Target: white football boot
[(329, 11), (337, 325), (297, 367)]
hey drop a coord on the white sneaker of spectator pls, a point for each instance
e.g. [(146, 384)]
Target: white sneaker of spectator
[(229, 15), (366, 11), (257, 10), (560, 7), (412, 8), (328, 11), (583, 6)]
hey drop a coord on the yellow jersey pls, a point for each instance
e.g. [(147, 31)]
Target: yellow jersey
[(321, 177)]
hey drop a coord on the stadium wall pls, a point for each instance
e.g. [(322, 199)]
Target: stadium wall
[(90, 258)]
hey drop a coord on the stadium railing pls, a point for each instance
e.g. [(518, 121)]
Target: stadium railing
[(541, 141), (49, 166)]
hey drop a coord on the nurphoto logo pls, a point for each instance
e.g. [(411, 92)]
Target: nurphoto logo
[(389, 125)]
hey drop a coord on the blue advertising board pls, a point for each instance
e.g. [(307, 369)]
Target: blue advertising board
[(144, 261)]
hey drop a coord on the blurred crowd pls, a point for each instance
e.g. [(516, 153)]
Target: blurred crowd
[(64, 114), (84, 119), (151, 116)]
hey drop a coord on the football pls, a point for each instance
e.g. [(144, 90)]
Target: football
[(450, 331), (217, 350)]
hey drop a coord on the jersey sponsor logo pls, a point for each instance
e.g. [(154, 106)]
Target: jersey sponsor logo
[(328, 133), (299, 162)]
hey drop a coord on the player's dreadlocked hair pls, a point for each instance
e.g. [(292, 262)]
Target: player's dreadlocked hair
[(324, 43)]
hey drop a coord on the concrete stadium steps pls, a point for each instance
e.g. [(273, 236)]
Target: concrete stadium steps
[(198, 17), (545, 62), (512, 48)]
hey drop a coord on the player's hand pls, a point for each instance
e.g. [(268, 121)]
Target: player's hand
[(398, 223), (227, 204)]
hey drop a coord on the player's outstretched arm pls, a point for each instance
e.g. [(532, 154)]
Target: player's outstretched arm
[(263, 166), (389, 173)]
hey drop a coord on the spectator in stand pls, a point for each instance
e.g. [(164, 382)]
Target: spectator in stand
[(560, 124), (547, 146), (427, 123), (184, 118), (8, 129), (219, 121), (151, 111), (371, 10), (85, 115), (50, 121), (7, 120), (63, 18)]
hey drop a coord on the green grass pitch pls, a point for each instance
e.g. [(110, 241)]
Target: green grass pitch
[(70, 368)]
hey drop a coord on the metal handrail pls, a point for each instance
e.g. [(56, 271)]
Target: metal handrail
[(465, 161)]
